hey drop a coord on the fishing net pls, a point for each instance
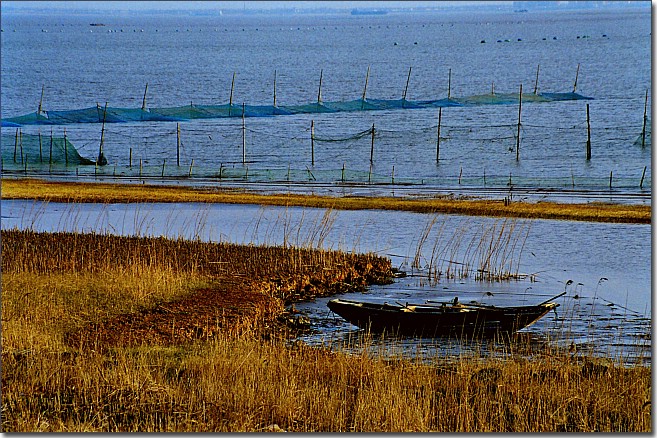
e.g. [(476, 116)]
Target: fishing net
[(22, 149), (99, 114)]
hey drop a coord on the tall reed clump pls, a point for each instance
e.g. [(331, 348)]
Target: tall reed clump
[(488, 252)]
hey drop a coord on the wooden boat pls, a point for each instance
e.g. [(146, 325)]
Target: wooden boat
[(440, 319)]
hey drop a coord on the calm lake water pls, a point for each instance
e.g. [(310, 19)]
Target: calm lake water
[(607, 307), (191, 59)]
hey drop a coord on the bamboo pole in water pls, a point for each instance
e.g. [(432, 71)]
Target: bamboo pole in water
[(40, 110), (312, 142), (519, 112), (191, 165), (102, 134), (643, 176), (164, 161), (16, 146), (143, 103), (588, 133), (243, 134), (367, 77), (274, 88), (440, 117), (611, 176), (65, 148), (130, 159), (319, 92), (230, 100), (449, 84), (20, 144), (536, 83), (576, 76), (372, 148), (40, 148), (645, 121), (178, 144), (408, 79)]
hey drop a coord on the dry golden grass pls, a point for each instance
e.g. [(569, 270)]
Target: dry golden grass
[(243, 380), (105, 193)]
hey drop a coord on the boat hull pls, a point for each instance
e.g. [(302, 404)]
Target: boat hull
[(436, 321)]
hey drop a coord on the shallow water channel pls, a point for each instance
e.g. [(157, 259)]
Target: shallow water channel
[(604, 268)]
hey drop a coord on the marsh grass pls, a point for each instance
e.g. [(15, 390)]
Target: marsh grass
[(246, 379)]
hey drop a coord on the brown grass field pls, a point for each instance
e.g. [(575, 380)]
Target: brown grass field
[(117, 334), (117, 193)]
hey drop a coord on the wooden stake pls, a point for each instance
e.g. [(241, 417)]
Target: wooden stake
[(178, 144), (492, 88), (221, 170), (243, 134), (576, 76), (230, 100), (130, 159), (163, 164), (372, 149), (143, 103), (51, 140), (41, 100), (449, 84), (102, 135), (312, 142), (645, 121), (460, 175), (440, 118), (367, 77), (274, 88), (536, 83), (16, 146), (519, 111), (342, 172), (20, 144), (408, 79), (319, 92), (40, 148), (393, 175), (588, 133), (611, 176), (643, 176), (65, 148), (484, 177), (191, 165)]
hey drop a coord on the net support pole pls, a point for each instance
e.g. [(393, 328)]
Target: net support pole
[(312, 142), (41, 100), (392, 177), (319, 92), (20, 144), (536, 83), (611, 177), (230, 100), (65, 148), (518, 134), (588, 133), (191, 166), (130, 159), (274, 88), (143, 102), (40, 148), (243, 134), (178, 144), (643, 176), (102, 135), (51, 141), (440, 118), (16, 145), (576, 76), (408, 79), (449, 84), (645, 122), (367, 77), (372, 148), (164, 162), (342, 173)]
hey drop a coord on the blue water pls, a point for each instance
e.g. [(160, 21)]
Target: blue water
[(191, 59)]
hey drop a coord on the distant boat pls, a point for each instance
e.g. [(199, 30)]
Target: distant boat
[(444, 319), (96, 24), (368, 12)]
